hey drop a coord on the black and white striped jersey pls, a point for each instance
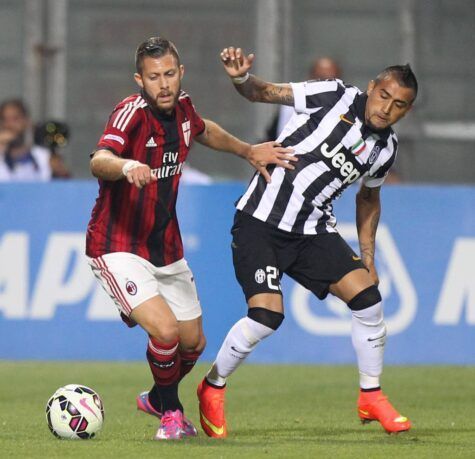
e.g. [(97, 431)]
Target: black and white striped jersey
[(335, 148)]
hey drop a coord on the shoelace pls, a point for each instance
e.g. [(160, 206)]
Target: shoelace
[(169, 420)]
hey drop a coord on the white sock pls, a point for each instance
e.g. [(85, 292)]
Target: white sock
[(368, 334), (238, 344)]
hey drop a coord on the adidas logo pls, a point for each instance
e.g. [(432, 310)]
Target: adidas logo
[(151, 143)]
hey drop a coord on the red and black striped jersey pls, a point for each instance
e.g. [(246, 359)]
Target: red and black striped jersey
[(143, 221)]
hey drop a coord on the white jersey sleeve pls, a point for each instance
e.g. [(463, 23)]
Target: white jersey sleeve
[(311, 96)]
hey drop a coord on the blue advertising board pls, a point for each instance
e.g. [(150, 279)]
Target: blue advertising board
[(51, 307)]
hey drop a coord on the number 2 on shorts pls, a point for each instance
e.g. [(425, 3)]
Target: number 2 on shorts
[(272, 275)]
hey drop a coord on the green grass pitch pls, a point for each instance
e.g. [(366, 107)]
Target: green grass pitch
[(273, 411)]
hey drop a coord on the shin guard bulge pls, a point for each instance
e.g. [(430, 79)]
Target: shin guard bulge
[(188, 361), (368, 333), (241, 341), (164, 361)]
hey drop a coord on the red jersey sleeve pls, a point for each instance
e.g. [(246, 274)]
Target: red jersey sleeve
[(197, 124), (122, 122)]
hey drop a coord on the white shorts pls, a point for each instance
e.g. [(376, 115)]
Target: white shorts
[(130, 280)]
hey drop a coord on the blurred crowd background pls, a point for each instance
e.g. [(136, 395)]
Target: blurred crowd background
[(65, 64)]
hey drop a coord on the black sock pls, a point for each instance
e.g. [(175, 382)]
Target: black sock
[(154, 398), (373, 389), (169, 398), (213, 385)]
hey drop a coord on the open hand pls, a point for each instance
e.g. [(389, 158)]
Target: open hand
[(270, 153), (235, 62)]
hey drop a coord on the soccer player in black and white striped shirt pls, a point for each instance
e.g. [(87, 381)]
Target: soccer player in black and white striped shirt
[(285, 224)]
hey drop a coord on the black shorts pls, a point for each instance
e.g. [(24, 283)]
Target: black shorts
[(262, 253)]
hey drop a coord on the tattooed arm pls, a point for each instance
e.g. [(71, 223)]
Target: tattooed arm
[(237, 66), (257, 90), (368, 210)]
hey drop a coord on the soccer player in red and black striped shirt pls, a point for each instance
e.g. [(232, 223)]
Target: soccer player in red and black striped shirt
[(133, 243)]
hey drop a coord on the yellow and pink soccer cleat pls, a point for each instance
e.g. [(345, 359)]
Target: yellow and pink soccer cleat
[(143, 404), (171, 426)]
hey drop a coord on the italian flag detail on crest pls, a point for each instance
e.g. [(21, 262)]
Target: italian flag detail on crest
[(358, 147)]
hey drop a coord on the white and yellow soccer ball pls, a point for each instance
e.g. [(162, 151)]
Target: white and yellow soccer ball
[(75, 412)]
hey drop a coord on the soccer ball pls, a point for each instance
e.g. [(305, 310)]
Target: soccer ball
[(75, 411)]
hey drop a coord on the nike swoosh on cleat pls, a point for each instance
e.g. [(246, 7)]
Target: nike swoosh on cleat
[(366, 413), (216, 430), (401, 419), (356, 258)]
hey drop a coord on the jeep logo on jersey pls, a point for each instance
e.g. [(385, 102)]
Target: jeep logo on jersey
[(131, 288), (396, 287), (186, 132), (346, 168)]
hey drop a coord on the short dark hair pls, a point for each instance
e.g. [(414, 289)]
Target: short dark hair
[(403, 74), (154, 47), (17, 103)]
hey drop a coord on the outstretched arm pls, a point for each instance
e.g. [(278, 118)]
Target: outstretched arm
[(259, 156), (237, 66), (368, 211), (107, 166)]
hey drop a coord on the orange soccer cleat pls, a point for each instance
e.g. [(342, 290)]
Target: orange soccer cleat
[(212, 410), (375, 406)]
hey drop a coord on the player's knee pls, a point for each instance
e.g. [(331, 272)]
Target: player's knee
[(164, 331), (199, 348), (201, 344), (195, 345), (367, 310), (365, 299), (270, 319)]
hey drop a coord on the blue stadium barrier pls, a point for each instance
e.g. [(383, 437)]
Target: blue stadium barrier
[(52, 308)]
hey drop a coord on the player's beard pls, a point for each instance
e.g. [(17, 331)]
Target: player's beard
[(377, 128), (156, 105), (168, 110)]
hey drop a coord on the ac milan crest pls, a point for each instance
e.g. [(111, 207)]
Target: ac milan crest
[(131, 288), (186, 132)]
